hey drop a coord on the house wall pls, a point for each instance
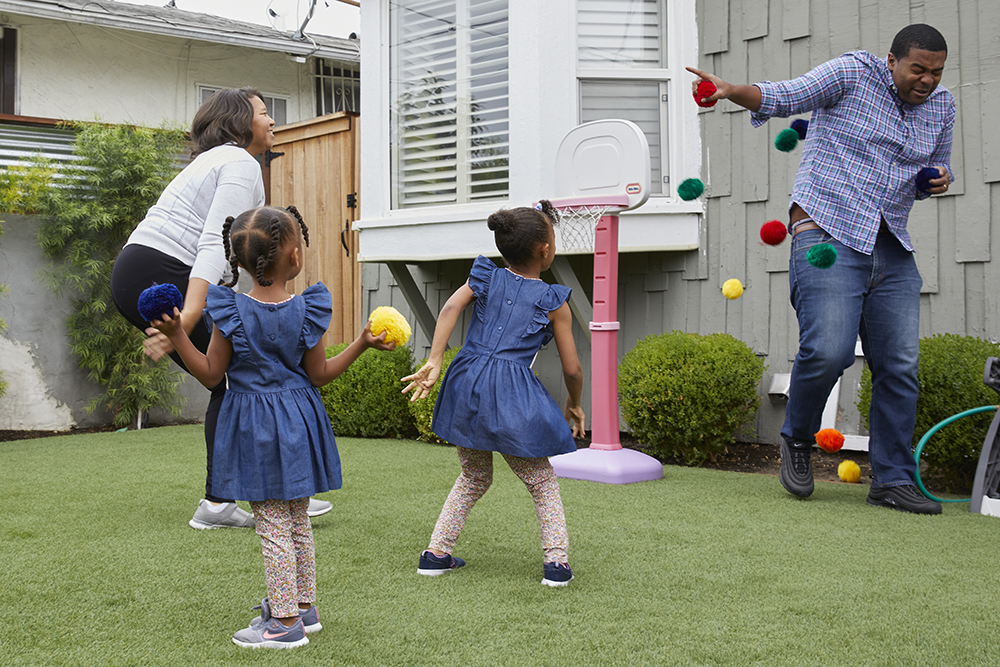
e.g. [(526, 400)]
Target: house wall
[(130, 77), (749, 182), (78, 72)]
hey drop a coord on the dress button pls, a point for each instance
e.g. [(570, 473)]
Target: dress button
[(271, 309), (509, 302), (499, 328), (517, 277), (271, 337)]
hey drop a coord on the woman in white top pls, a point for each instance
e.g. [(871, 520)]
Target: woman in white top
[(180, 242)]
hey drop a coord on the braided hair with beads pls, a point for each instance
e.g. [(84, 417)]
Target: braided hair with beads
[(253, 238)]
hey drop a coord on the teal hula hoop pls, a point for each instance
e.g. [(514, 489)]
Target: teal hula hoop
[(927, 436)]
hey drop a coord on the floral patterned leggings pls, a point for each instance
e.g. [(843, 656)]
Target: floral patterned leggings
[(476, 477), (289, 554)]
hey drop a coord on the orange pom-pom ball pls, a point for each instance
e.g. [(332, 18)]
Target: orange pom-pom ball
[(849, 471), (830, 440), (773, 232)]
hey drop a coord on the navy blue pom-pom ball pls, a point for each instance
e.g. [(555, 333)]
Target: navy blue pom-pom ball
[(159, 299), (924, 177), (801, 125)]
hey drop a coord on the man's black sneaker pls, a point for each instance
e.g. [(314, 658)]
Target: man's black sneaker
[(796, 473), (904, 498)]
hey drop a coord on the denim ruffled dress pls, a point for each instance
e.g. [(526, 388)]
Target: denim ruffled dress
[(490, 398), (273, 439)]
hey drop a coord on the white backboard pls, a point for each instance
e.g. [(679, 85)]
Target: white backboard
[(601, 158)]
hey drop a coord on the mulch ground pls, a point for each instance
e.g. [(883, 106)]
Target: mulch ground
[(740, 457)]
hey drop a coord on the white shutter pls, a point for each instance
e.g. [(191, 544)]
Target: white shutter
[(449, 92), (637, 101), (621, 34)]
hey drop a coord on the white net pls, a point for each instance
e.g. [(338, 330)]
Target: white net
[(576, 228)]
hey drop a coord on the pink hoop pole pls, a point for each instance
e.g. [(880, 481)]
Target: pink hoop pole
[(605, 460)]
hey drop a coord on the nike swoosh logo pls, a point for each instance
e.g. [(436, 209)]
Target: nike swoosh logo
[(269, 635)]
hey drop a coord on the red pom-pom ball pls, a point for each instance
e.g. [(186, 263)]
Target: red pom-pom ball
[(705, 89), (773, 232), (830, 440)]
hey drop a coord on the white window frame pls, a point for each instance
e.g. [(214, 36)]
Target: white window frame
[(204, 91), (544, 106)]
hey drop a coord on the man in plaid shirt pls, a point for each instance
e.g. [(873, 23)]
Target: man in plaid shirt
[(875, 123)]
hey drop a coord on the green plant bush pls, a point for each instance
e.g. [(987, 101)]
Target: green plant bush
[(685, 395), (366, 400), (950, 378), (120, 172), (423, 410)]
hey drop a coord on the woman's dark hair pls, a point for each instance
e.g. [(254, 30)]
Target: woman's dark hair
[(225, 118), (518, 231), (252, 239), (917, 36)]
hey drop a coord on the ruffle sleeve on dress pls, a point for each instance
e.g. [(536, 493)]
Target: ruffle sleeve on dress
[(319, 311), (221, 310), (479, 281), (554, 297)]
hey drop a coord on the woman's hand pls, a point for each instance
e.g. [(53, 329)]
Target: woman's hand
[(422, 381), (158, 343), (576, 419)]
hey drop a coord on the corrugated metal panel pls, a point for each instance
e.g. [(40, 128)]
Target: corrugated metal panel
[(21, 144)]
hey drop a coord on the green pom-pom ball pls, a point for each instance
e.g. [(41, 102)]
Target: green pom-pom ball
[(786, 140), (822, 256), (690, 188)]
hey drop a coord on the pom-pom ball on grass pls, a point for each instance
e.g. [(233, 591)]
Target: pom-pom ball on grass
[(801, 127), (830, 440), (732, 288), (387, 318), (773, 232), (786, 140), (159, 299), (822, 256), (690, 188), (849, 471), (924, 177), (705, 89)]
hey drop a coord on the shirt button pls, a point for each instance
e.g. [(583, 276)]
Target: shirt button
[(499, 328)]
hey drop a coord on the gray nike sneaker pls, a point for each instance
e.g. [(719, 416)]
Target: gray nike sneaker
[(231, 516), (309, 617), (318, 507), (271, 634)]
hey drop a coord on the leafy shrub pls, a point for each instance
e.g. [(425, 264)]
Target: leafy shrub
[(366, 400), (120, 172), (685, 395), (423, 410), (950, 378)]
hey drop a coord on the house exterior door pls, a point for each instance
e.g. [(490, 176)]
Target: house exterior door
[(314, 165)]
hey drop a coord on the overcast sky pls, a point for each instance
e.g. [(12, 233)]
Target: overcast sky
[(337, 19)]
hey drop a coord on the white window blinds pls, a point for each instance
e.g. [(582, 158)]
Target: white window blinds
[(449, 95), (620, 33)]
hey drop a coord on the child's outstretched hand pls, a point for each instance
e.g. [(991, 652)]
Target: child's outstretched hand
[(576, 418), (168, 326), (378, 342), (422, 381)]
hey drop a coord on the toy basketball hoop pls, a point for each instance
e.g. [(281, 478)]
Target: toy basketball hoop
[(602, 168)]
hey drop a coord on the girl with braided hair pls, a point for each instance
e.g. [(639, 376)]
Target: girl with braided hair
[(274, 445), (491, 401)]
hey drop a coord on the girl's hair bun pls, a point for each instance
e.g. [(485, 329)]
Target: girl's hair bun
[(500, 221)]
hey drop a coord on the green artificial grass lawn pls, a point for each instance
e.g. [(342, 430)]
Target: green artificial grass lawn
[(99, 567)]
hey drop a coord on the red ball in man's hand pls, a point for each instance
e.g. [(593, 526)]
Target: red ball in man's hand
[(705, 89)]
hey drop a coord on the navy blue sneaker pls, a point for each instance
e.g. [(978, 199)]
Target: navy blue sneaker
[(557, 574), (431, 565)]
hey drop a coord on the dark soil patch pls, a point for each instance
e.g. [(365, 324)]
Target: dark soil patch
[(6, 436)]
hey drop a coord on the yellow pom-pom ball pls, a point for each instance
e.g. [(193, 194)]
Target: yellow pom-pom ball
[(849, 471), (387, 318), (732, 288)]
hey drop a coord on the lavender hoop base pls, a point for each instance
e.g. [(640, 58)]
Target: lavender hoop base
[(618, 466)]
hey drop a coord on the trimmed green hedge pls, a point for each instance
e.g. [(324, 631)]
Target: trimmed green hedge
[(686, 395), (366, 400), (950, 378)]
